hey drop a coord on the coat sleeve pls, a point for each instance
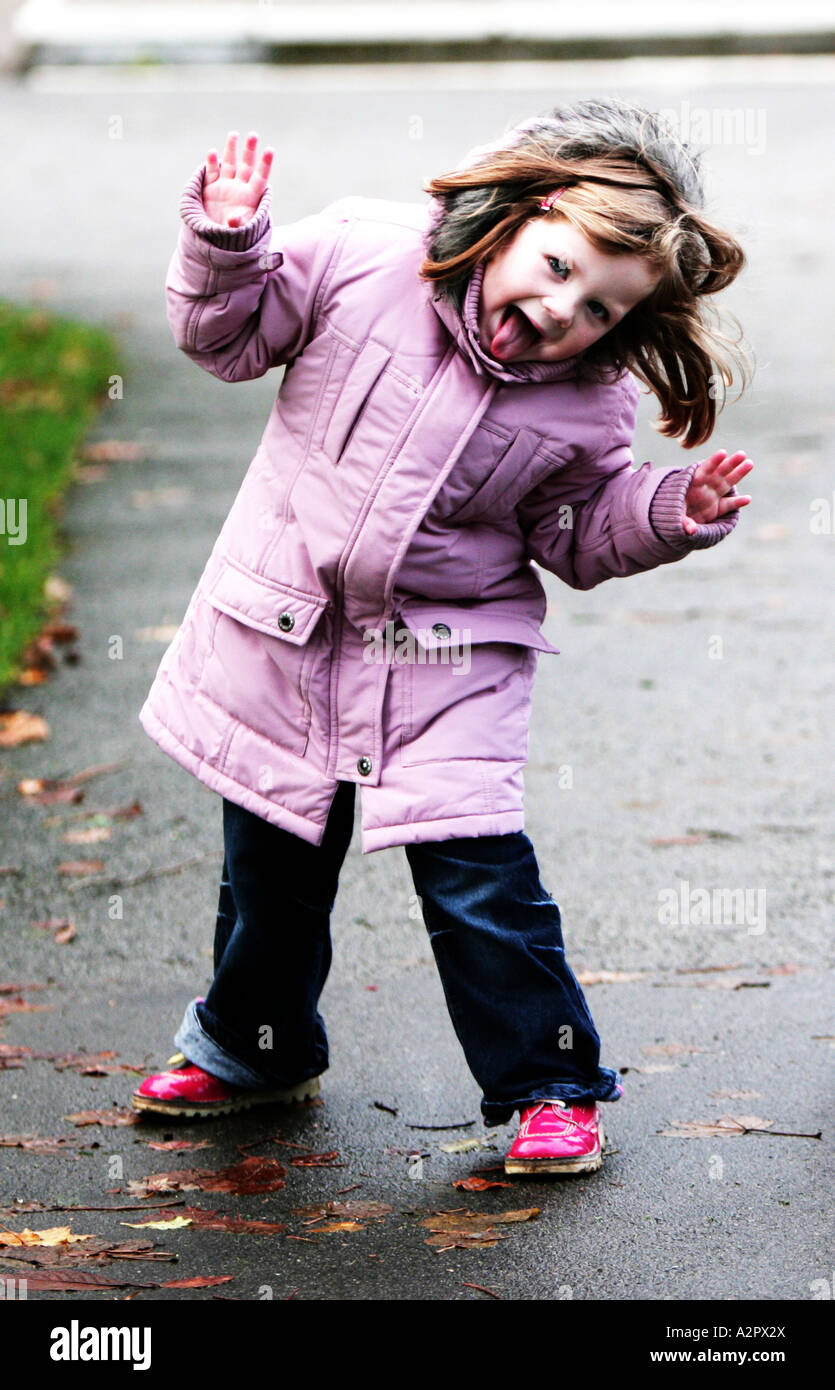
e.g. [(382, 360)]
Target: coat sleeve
[(603, 518), (241, 300)]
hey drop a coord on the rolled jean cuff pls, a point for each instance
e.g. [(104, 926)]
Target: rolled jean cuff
[(608, 1087), (201, 1050)]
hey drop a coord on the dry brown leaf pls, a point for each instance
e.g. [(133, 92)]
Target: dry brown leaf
[(61, 1280), (236, 1225), (175, 1145), (660, 841), (42, 1144), (81, 866), (477, 1184), (112, 450), (725, 1126), (251, 1175), (18, 726), (93, 1063), (200, 1281), (610, 977), (325, 1160), (21, 1006), (46, 791), (330, 1226), (115, 1116), (174, 1223), (358, 1210)]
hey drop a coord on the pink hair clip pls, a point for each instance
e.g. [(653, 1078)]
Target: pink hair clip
[(547, 203)]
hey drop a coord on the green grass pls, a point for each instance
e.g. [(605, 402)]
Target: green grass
[(53, 375)]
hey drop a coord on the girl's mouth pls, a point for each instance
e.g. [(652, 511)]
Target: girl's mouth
[(514, 334)]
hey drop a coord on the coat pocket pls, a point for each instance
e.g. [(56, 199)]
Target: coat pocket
[(261, 660), (366, 369), (466, 682), (518, 469)]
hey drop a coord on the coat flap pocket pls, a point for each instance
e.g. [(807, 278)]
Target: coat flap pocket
[(367, 366), (437, 625), (278, 609)]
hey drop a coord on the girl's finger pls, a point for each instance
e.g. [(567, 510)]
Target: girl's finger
[(248, 157), (212, 167), (731, 462), (730, 504), (740, 471), (230, 155)]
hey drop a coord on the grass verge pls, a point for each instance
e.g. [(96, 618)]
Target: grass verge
[(53, 377)]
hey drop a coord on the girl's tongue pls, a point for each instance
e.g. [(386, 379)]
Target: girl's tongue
[(514, 334)]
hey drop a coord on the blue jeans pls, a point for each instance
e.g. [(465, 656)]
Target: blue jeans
[(515, 1005)]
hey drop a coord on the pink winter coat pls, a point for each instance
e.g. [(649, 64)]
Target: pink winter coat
[(369, 611)]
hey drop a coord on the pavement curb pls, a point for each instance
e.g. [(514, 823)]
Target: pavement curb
[(65, 31)]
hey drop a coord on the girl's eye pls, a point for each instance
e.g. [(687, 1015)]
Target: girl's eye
[(595, 306), (558, 265)]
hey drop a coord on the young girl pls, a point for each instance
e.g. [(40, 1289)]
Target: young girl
[(459, 400)]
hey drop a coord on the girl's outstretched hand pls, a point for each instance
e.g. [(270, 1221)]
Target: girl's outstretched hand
[(232, 189), (706, 496)]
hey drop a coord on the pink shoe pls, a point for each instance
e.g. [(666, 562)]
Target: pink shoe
[(555, 1137), (188, 1090)]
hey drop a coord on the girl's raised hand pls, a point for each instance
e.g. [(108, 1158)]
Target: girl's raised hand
[(706, 496), (232, 188)]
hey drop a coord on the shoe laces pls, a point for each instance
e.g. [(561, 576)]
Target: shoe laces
[(563, 1113)]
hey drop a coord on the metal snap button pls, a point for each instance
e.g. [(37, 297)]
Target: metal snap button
[(286, 621), (441, 630), (364, 765)]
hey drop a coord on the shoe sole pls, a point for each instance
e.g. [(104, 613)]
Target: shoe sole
[(306, 1090), (589, 1163)]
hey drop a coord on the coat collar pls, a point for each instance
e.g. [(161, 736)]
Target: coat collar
[(464, 328)]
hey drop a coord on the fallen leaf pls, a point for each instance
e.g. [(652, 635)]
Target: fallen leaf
[(93, 1063), (357, 1210), (175, 1145), (236, 1225), (200, 1281), (36, 1143), (672, 1049), (18, 726), (47, 792), (476, 1184), (251, 1175), (53, 1235), (610, 977), (112, 450), (706, 1129), (466, 1230), (164, 633), (662, 840), (462, 1146), (338, 1226), (325, 1160), (21, 1006), (115, 1116), (81, 866), (176, 1223), (59, 1280), (736, 1095), (87, 836)]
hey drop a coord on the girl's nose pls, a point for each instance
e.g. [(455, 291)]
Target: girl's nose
[(560, 311)]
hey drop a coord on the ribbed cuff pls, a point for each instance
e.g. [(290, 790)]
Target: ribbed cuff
[(667, 508), (227, 238)]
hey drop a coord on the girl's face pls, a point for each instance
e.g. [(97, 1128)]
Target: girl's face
[(550, 294)]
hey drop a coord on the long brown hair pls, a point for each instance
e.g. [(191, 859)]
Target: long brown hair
[(625, 201)]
